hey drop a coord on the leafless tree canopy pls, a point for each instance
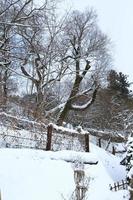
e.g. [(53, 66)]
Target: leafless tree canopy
[(85, 46), (37, 45)]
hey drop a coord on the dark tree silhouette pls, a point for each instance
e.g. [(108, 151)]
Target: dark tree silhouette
[(118, 82)]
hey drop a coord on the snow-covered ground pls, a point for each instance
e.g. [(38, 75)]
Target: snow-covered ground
[(39, 175)]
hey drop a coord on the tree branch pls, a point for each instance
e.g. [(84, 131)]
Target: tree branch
[(86, 105), (28, 75)]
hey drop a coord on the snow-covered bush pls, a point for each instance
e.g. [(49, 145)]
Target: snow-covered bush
[(129, 165), (129, 155), (130, 178)]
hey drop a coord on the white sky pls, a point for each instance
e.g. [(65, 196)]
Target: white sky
[(116, 20)]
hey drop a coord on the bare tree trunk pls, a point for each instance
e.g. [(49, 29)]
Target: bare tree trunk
[(80, 49), (64, 113), (72, 96), (5, 92), (5, 85), (1, 85), (39, 103)]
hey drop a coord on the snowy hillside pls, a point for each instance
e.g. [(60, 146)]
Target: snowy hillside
[(39, 175)]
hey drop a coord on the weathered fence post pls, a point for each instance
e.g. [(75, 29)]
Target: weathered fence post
[(80, 191), (118, 185), (99, 142), (123, 185), (110, 186), (87, 146), (131, 188), (49, 137), (113, 150)]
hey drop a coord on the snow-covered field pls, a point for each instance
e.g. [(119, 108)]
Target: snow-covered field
[(40, 175)]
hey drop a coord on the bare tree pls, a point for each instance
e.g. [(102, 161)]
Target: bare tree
[(85, 47), (39, 64), (6, 35), (47, 49), (28, 42)]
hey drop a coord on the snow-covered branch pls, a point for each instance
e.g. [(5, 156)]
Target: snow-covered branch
[(18, 24), (86, 105), (53, 110)]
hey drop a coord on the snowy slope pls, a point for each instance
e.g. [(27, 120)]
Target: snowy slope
[(39, 175), (110, 162), (107, 172)]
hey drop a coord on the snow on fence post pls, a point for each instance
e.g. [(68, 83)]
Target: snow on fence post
[(87, 146), (49, 137), (81, 184)]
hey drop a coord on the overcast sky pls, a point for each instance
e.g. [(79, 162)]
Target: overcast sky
[(116, 20)]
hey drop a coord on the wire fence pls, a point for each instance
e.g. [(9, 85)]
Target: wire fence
[(49, 138), (23, 133), (119, 185)]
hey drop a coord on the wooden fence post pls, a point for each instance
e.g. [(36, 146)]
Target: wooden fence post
[(115, 186), (123, 185), (49, 137), (99, 142), (113, 150), (118, 185), (131, 188), (87, 146), (81, 188)]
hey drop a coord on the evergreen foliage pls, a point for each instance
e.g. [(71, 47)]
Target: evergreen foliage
[(118, 81), (129, 156)]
